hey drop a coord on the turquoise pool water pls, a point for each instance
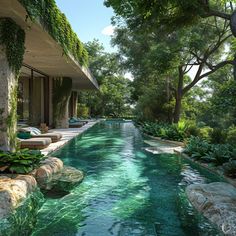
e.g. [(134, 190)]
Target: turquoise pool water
[(127, 191)]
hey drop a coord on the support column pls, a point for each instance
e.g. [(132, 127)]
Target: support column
[(76, 95), (62, 88), (73, 104), (8, 103), (11, 56)]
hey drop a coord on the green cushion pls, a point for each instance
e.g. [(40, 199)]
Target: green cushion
[(24, 135)]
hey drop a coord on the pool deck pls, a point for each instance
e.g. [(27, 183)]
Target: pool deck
[(67, 135)]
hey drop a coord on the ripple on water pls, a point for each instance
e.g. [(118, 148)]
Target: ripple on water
[(127, 191)]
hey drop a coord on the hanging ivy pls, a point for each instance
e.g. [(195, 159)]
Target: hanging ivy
[(13, 38), (55, 22)]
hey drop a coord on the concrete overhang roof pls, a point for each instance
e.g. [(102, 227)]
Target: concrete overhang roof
[(43, 52)]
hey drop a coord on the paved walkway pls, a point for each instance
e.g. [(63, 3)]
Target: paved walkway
[(67, 135)]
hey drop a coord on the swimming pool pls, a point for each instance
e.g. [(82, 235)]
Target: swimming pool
[(126, 191)]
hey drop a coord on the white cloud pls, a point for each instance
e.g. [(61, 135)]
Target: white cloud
[(109, 30)]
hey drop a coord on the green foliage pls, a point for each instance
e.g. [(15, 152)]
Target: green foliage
[(175, 132), (197, 148), (218, 136), (230, 168), (20, 162), (231, 136), (13, 38), (82, 110), (168, 13), (205, 133), (219, 154), (149, 52), (218, 108), (201, 150), (12, 119), (55, 22), (114, 96)]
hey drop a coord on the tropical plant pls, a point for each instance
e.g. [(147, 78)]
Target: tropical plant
[(230, 168), (197, 148), (231, 135), (218, 154), (218, 136), (20, 162), (175, 132)]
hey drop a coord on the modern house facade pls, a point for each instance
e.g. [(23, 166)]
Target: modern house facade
[(43, 86)]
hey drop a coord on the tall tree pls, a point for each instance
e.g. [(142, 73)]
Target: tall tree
[(174, 54), (114, 95)]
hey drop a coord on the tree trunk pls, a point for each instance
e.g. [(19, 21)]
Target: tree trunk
[(178, 96), (170, 112), (178, 105)]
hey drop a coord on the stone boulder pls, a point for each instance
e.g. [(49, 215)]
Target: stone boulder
[(217, 202), (45, 172), (67, 179), (20, 200), (53, 176), (14, 191)]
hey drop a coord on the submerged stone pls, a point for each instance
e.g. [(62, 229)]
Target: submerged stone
[(67, 179), (217, 202), (20, 200), (53, 176)]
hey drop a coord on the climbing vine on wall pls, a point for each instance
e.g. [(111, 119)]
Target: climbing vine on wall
[(12, 118), (61, 94), (56, 23), (13, 38)]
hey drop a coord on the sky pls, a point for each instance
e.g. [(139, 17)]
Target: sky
[(89, 19)]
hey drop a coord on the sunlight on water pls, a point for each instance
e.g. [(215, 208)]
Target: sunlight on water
[(127, 191)]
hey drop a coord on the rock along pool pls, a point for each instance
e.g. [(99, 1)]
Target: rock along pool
[(126, 191)]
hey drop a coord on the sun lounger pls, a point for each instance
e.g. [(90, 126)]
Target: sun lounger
[(36, 133), (75, 123), (35, 143)]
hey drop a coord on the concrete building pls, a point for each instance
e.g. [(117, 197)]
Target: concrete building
[(44, 64)]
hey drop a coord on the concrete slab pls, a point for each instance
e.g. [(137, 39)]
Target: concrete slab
[(44, 53), (67, 135)]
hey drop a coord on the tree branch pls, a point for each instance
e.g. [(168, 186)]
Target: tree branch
[(198, 76), (217, 67), (217, 13)]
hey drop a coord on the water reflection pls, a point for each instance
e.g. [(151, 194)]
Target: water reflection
[(127, 191)]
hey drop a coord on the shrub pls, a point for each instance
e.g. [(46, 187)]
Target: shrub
[(201, 150), (205, 132), (231, 136), (197, 148), (192, 130), (218, 136), (82, 110), (176, 132), (20, 162), (219, 154), (230, 169)]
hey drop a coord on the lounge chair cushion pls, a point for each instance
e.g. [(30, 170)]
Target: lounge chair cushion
[(54, 136), (32, 130), (35, 143), (76, 125), (23, 135), (36, 133)]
